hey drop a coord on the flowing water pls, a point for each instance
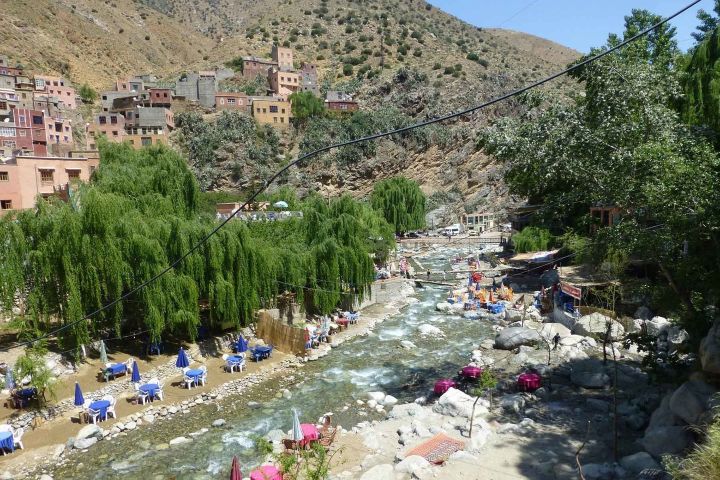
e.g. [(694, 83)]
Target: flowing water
[(331, 384)]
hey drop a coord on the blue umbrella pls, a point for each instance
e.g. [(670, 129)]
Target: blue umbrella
[(241, 345), (79, 400), (9, 380), (135, 373), (182, 360)]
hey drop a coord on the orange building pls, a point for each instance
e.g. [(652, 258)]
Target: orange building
[(25, 178), (275, 111)]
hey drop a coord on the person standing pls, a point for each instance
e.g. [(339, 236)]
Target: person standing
[(556, 340)]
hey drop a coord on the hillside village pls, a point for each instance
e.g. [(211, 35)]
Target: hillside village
[(44, 153)]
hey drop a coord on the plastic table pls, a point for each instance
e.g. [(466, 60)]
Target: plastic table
[(6, 441), (265, 350), (114, 370), (310, 433), (195, 375), (442, 386), (150, 389), (529, 382), (101, 406)]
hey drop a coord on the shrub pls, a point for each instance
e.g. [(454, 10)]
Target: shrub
[(473, 56), (347, 69), (147, 37), (417, 52), (483, 62), (449, 70), (532, 239), (437, 66)]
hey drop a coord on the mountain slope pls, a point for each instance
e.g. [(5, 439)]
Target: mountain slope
[(404, 54)]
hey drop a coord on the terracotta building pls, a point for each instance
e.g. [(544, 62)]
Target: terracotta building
[(22, 129), (24, 178), (254, 66), (340, 102), (283, 57), (232, 101), (282, 82)]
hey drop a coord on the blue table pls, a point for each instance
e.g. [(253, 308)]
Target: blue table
[(114, 370), (150, 389), (101, 406), (195, 375), (264, 349), (6, 441), (23, 396)]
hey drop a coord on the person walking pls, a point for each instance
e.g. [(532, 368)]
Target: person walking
[(556, 340)]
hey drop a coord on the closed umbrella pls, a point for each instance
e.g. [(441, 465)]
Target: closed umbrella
[(242, 345), (297, 433), (135, 373), (235, 473), (79, 399), (103, 353), (9, 380), (182, 360)]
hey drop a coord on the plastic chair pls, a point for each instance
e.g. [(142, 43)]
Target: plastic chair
[(111, 409), (17, 438), (188, 381), (159, 392), (93, 415), (141, 396)]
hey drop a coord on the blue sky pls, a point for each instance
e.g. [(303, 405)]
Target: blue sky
[(579, 24)]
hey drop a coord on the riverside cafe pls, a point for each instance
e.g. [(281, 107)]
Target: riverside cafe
[(580, 291)]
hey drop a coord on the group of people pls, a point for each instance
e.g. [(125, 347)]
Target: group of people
[(322, 328)]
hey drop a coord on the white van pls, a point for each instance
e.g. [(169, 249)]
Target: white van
[(452, 230)]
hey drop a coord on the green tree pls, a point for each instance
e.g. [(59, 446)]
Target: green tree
[(87, 93), (306, 105), (708, 22), (701, 103), (31, 365), (401, 202)]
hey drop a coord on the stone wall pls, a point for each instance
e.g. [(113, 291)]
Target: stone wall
[(277, 333)]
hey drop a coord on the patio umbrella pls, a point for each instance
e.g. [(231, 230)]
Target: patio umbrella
[(103, 353), (235, 473), (242, 345), (135, 373), (297, 433), (79, 400), (280, 204), (182, 360), (9, 380)]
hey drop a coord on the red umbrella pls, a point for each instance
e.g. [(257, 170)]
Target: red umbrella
[(235, 473)]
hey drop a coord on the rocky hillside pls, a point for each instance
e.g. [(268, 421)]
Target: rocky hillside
[(359, 45)]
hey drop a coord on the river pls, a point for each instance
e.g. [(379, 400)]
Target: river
[(331, 384)]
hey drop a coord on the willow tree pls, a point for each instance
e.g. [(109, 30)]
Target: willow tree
[(401, 202), (701, 83)]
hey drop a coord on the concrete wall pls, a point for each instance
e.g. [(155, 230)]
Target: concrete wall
[(280, 335), (188, 88), (206, 92)]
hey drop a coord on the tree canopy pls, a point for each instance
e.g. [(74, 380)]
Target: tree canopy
[(306, 105), (141, 213), (401, 202)]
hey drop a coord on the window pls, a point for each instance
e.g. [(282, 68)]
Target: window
[(66, 138), (165, 95), (55, 83), (273, 109), (9, 143), (264, 110), (146, 141), (103, 120), (5, 204), (7, 132), (275, 119), (231, 101), (73, 175), (115, 133), (282, 119), (22, 133), (37, 120), (21, 118), (46, 177), (4, 177), (113, 120), (3, 105), (283, 110)]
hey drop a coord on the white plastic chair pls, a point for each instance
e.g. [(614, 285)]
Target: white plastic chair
[(159, 391), (154, 381), (189, 381), (141, 396), (185, 369), (93, 415), (129, 364), (17, 438), (203, 377), (6, 428), (111, 408)]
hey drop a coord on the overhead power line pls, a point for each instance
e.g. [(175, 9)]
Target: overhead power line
[(368, 138)]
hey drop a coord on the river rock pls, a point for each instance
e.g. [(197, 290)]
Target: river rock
[(179, 440), (275, 436), (411, 464), (595, 325), (130, 425), (455, 403), (513, 337), (58, 450), (148, 418), (589, 373), (659, 441), (638, 462), (512, 403), (443, 307), (219, 422), (377, 396), (710, 349), (83, 443), (89, 431), (691, 400), (379, 472), (430, 330), (407, 344), (598, 471), (45, 476), (549, 330), (663, 416), (389, 401), (657, 325), (371, 403), (572, 340)]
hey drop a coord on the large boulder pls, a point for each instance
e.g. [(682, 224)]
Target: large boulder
[(514, 337), (691, 400), (589, 373), (657, 325), (455, 403), (659, 441), (710, 349), (676, 338), (663, 416), (379, 472), (411, 464), (638, 462), (596, 325), (83, 443), (89, 431), (430, 330), (549, 330)]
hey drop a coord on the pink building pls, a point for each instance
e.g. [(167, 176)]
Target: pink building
[(232, 101), (59, 130), (282, 82), (58, 87), (25, 178), (24, 129), (160, 97)]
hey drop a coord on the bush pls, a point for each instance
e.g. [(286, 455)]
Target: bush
[(417, 52), (483, 62), (703, 462), (532, 239), (449, 70), (347, 69), (437, 66), (87, 93), (473, 56)]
